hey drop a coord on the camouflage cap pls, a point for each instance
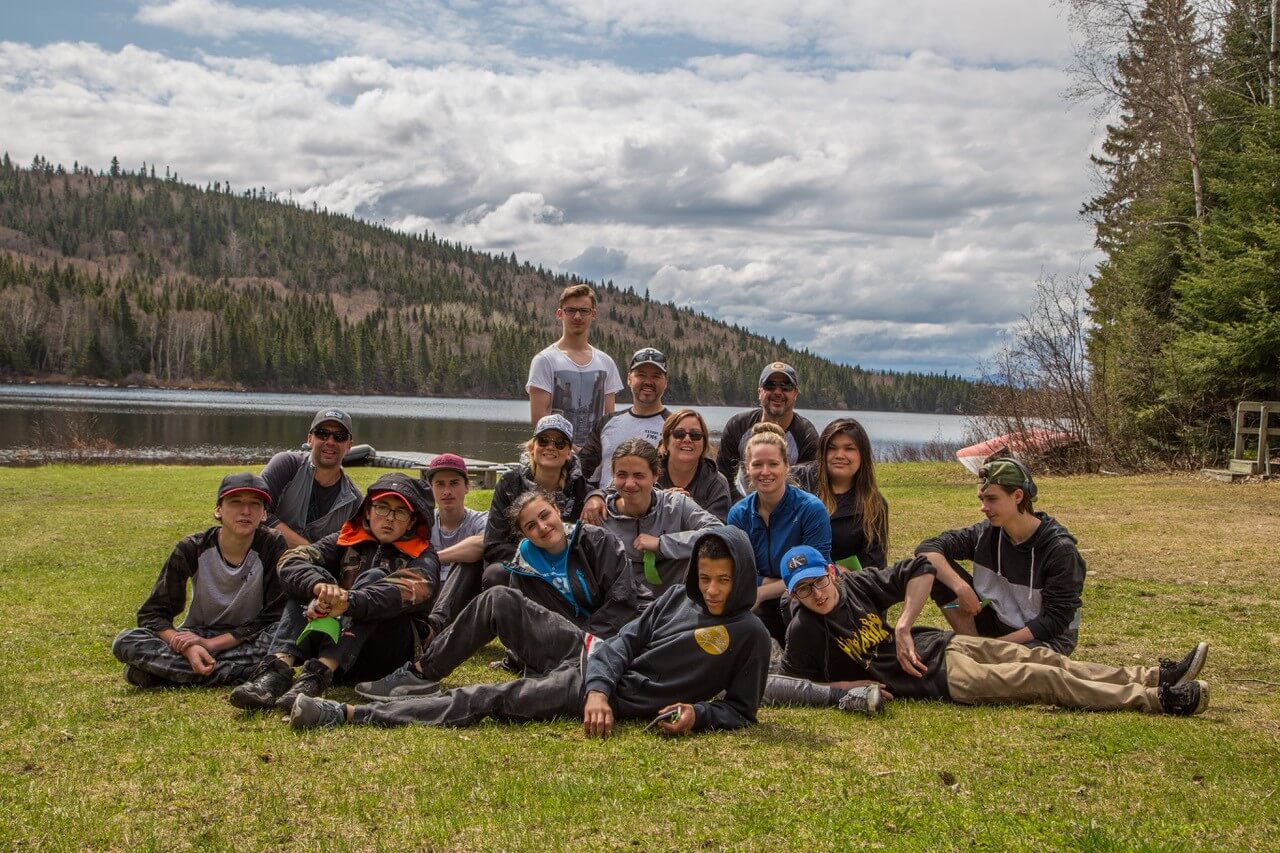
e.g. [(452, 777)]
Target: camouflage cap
[(1007, 472)]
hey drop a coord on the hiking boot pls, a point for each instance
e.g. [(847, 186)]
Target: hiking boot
[(142, 679), (862, 700), (1175, 673), (312, 712), (1185, 700), (401, 682), (314, 680), (270, 678)]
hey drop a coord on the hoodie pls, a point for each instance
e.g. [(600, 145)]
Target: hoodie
[(1035, 584), (676, 651), (708, 488), (411, 569), (672, 517), (501, 536), (798, 519)]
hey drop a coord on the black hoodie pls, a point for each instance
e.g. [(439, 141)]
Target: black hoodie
[(501, 536), (678, 652)]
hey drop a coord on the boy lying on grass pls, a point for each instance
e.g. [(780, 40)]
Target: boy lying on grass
[(357, 599), (840, 633), (693, 642), (235, 598)]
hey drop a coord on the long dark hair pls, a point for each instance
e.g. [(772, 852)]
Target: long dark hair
[(875, 519)]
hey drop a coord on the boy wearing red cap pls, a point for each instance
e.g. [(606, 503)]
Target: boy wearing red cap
[(236, 598), (357, 599), (458, 538)]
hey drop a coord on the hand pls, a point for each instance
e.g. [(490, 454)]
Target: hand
[(688, 717), (597, 716), (907, 657), (646, 542), (593, 510), (863, 682), (315, 610), (679, 491), (968, 600), (329, 594), (183, 640), (199, 658)]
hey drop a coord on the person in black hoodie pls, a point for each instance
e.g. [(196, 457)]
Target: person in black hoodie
[(1027, 573), (358, 598), (689, 646), (841, 633)]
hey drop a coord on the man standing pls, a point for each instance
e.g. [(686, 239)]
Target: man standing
[(779, 388), (310, 493), (647, 379), (571, 377)]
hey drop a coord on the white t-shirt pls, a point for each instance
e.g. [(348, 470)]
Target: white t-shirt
[(473, 522), (577, 391)]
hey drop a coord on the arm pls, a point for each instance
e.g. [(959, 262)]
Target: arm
[(692, 520), (744, 691), (590, 455), (609, 659), (469, 550), (169, 595), (608, 403), (728, 454), (279, 472), (499, 546), (539, 405), (300, 569), (955, 545), (917, 593), (539, 387), (291, 537), (806, 440), (410, 587), (770, 589)]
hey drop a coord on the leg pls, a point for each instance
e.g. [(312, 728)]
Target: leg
[(384, 646), (460, 589), (985, 650), (539, 637), (143, 649), (784, 690), (522, 700), (494, 575)]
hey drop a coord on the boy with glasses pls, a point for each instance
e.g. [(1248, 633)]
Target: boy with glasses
[(779, 389), (357, 599), (311, 495), (235, 598), (571, 377), (647, 379), (841, 633)]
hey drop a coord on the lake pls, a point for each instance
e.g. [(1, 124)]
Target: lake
[(154, 423)]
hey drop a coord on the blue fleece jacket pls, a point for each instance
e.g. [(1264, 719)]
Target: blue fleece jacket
[(798, 519)]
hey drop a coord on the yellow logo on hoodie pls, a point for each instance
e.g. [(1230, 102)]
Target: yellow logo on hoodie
[(714, 640)]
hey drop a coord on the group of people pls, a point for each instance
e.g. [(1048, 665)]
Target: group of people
[(627, 575)]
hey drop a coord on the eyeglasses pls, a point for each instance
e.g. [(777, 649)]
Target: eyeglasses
[(804, 590), (548, 441), (578, 312), (323, 434), (777, 386), (682, 434), (399, 513)]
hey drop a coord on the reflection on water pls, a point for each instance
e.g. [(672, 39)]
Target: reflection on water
[(242, 425)]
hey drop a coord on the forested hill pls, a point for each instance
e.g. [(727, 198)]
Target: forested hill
[(128, 277)]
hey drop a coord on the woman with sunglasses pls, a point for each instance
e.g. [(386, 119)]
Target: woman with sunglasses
[(844, 479), (656, 527), (687, 466), (548, 463)]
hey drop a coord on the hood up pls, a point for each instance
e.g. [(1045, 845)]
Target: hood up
[(743, 597), (418, 495)]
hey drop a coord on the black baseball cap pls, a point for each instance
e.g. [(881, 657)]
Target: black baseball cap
[(648, 355), (336, 415), (245, 482)]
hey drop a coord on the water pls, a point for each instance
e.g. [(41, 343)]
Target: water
[(163, 424)]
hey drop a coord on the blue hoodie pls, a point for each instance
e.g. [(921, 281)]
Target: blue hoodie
[(798, 519)]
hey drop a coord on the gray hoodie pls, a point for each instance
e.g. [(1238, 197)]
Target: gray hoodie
[(675, 519)]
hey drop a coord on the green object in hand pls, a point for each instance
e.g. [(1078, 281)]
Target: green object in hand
[(651, 568), (851, 562), (328, 625)]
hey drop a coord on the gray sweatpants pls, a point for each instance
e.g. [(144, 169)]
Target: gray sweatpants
[(143, 648)]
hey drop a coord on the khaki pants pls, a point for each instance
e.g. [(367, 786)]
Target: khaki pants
[(983, 671)]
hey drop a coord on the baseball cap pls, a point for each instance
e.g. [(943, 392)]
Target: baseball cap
[(245, 482), (447, 462), (334, 415), (779, 367), (802, 563), (1007, 472), (559, 423), (648, 355), (380, 495)]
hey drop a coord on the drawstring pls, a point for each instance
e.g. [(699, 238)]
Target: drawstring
[(999, 549)]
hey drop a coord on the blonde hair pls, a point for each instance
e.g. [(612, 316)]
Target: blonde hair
[(573, 291), (765, 433), (530, 448)]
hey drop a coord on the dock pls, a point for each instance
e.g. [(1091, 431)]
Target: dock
[(481, 472)]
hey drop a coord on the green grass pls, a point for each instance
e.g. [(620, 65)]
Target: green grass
[(89, 762)]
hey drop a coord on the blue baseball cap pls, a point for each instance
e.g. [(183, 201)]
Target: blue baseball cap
[(800, 564)]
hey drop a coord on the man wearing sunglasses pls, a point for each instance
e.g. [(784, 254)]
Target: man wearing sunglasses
[(311, 495), (779, 388), (647, 379), (841, 637), (571, 377)]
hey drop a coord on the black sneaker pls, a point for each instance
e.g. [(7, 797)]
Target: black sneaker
[(269, 680), (404, 681), (1185, 700), (862, 700), (1175, 673), (142, 679), (314, 680), (312, 712)]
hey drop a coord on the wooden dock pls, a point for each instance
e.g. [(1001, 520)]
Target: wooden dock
[(482, 473)]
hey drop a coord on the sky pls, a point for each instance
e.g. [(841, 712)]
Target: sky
[(881, 182)]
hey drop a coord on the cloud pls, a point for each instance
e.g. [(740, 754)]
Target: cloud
[(597, 263)]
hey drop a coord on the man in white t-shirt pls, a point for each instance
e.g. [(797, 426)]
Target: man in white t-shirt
[(571, 377), (647, 379), (457, 537)]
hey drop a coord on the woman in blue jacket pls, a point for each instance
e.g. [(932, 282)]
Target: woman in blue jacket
[(777, 516)]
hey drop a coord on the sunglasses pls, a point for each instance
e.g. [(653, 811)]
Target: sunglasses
[(777, 386), (323, 434), (804, 590), (548, 441), (682, 434)]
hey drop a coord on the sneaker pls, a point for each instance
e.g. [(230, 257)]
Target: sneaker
[(142, 679), (862, 700), (1184, 700), (312, 712), (314, 680), (269, 680), (1175, 673), (404, 681)]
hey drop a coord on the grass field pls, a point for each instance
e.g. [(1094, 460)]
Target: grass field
[(89, 762)]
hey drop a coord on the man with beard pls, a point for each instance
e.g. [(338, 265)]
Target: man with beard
[(779, 388), (311, 496), (647, 379)]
